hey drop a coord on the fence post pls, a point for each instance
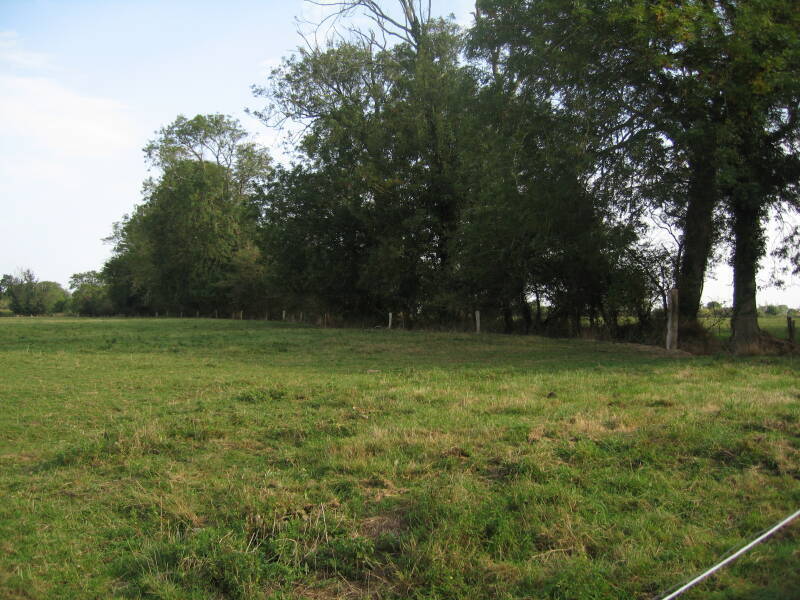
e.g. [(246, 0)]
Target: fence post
[(790, 325), (283, 316), (477, 321), (672, 320), (390, 320)]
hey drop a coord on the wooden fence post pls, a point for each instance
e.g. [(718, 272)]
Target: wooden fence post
[(672, 320), (790, 325), (283, 316), (390, 320), (477, 321)]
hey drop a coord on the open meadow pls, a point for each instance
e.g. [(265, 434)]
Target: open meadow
[(194, 458)]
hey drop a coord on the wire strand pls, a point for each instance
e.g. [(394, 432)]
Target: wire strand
[(732, 557)]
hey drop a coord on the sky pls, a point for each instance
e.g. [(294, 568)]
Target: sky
[(85, 84)]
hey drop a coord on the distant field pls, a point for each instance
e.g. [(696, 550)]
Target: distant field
[(775, 326), (235, 459)]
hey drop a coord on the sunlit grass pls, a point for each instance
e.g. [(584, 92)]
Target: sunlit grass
[(773, 325), (226, 459)]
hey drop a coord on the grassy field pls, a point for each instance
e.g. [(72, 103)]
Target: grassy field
[(235, 459), (775, 326)]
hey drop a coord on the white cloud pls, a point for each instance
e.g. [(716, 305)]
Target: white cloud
[(12, 55), (44, 114), (70, 164), (38, 112)]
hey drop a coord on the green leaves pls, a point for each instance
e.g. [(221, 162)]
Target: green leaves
[(189, 246), (204, 137)]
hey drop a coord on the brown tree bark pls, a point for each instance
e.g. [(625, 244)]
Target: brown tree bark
[(748, 248), (698, 234)]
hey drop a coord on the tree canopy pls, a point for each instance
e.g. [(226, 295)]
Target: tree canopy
[(179, 250), (519, 167), (29, 296)]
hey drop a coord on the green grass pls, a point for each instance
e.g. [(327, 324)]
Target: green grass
[(721, 326), (227, 459)]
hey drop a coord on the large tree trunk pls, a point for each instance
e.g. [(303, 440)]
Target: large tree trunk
[(698, 234), (748, 249)]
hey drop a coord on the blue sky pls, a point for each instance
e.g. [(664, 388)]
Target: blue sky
[(85, 84)]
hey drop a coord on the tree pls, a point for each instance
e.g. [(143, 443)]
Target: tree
[(183, 237), (29, 296), (178, 250), (383, 137), (89, 294), (762, 163), (602, 65), (706, 88), (315, 239), (5, 283), (245, 281), (424, 194), (199, 139)]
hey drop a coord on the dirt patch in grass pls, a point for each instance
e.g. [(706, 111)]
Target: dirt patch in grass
[(381, 525), (338, 589)]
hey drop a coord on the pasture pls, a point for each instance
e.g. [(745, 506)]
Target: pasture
[(170, 458)]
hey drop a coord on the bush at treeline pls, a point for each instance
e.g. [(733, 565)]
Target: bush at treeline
[(24, 294)]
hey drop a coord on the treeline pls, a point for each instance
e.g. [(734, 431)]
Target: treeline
[(89, 294), (24, 294), (519, 168)]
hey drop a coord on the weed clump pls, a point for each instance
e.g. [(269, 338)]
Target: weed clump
[(258, 395)]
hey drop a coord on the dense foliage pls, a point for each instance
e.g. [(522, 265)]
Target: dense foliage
[(515, 168), (26, 295), (90, 295), (189, 245)]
